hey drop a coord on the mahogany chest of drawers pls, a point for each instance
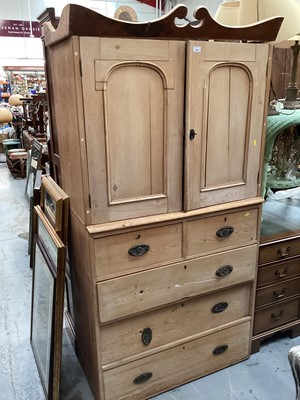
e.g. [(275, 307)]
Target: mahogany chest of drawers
[(277, 305)]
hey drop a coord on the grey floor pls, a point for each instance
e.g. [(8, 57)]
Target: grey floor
[(264, 376)]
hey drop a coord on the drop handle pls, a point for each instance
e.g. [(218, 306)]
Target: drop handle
[(278, 295), (278, 316), (284, 252), (219, 307), (224, 270), (139, 250), (143, 378), (220, 349), (282, 275), (147, 336), (225, 232)]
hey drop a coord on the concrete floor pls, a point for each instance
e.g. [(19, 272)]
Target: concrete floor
[(264, 376)]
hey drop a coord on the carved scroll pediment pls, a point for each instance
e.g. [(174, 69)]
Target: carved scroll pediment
[(80, 21)]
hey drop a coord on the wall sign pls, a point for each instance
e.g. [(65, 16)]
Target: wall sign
[(15, 28)]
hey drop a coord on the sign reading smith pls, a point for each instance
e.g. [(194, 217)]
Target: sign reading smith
[(14, 28)]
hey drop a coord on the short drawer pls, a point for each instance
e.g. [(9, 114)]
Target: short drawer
[(279, 251), (278, 271), (221, 232), (136, 250), (151, 330), (161, 371), (276, 315), (275, 293), (164, 285)]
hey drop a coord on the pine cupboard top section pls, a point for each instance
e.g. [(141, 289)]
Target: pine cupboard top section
[(80, 21)]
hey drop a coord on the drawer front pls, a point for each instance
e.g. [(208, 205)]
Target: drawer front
[(221, 232), (278, 272), (154, 288), (151, 330), (279, 251), (276, 315), (161, 371), (136, 250), (277, 292)]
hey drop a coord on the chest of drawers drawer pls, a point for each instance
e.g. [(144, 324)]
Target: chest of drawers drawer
[(279, 251), (278, 271), (136, 250), (144, 377), (221, 232), (154, 288), (148, 331), (275, 315), (277, 292)]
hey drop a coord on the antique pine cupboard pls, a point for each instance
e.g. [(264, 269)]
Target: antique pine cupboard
[(159, 137)]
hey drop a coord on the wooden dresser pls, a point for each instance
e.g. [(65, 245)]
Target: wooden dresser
[(164, 191), (277, 305)]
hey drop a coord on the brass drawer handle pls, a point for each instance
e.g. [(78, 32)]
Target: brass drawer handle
[(280, 275), (278, 316), (142, 378), (139, 250), (219, 307), (279, 295), (284, 252), (224, 270), (220, 349), (225, 232), (147, 336)]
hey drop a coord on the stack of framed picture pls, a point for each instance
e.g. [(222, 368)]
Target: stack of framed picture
[(48, 259)]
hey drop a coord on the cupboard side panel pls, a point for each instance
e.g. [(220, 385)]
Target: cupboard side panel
[(67, 121), (85, 303)]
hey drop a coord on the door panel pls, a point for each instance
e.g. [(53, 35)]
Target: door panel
[(222, 160), (225, 163), (135, 122)]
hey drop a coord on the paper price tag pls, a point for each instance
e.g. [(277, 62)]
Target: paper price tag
[(197, 49)]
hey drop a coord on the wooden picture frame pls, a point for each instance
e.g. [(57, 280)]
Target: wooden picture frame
[(52, 204), (33, 161), (58, 214), (34, 201), (47, 304)]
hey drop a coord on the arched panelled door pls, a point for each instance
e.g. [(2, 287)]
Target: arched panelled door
[(223, 128), (134, 101)]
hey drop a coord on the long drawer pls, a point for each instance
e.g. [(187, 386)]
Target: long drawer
[(275, 315), (153, 374), (221, 232), (278, 292), (137, 250), (136, 335), (131, 294), (279, 251), (278, 271)]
